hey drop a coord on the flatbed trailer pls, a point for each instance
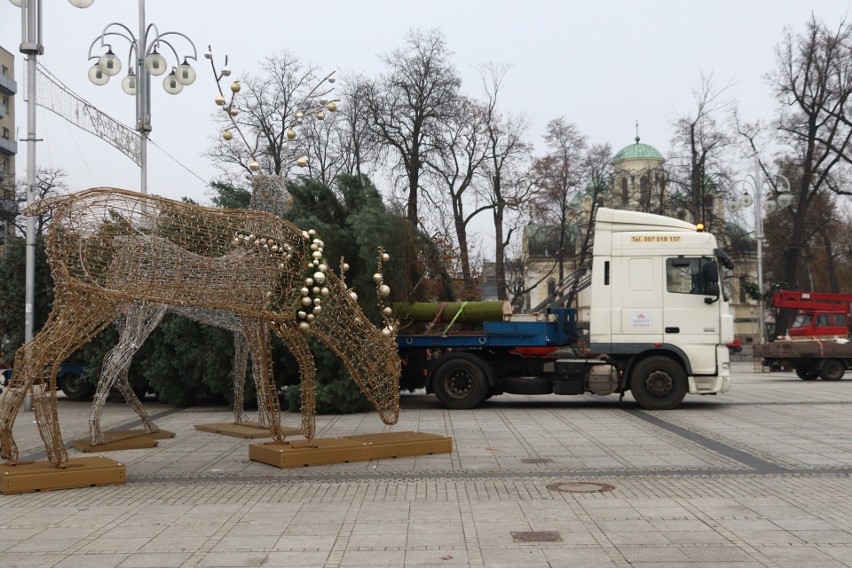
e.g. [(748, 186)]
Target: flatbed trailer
[(824, 359)]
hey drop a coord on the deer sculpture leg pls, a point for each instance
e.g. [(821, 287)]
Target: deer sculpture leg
[(241, 352), (296, 342), (72, 323), (257, 335), (134, 328)]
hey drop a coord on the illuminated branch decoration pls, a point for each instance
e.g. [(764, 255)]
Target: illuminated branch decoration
[(109, 248), (269, 191)]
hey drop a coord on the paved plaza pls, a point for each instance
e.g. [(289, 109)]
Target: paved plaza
[(758, 477)]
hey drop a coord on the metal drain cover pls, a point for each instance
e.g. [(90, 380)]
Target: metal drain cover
[(580, 487), (536, 460)]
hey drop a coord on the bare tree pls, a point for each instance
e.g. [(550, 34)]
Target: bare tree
[(506, 183), (812, 83), (559, 174), (324, 144), (597, 167), (699, 164), (49, 182), (409, 103), (358, 146), (460, 150)]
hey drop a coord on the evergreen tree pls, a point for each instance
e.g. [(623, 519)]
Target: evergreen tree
[(12, 283)]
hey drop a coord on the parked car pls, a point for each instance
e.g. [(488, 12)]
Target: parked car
[(70, 379)]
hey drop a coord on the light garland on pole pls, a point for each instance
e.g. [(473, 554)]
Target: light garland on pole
[(143, 60)]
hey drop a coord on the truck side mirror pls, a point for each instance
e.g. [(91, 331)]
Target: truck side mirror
[(711, 272), (712, 289)]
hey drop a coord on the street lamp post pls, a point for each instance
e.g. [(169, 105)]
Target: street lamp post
[(144, 60), (783, 200), (32, 47)]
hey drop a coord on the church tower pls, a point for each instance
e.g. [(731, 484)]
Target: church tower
[(640, 180)]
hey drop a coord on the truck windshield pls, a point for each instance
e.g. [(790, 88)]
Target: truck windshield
[(802, 320), (687, 276)]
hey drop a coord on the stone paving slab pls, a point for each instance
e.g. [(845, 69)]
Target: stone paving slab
[(757, 477)]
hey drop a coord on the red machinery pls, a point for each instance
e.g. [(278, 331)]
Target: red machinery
[(821, 314)]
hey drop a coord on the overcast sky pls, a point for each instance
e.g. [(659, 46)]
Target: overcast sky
[(603, 65)]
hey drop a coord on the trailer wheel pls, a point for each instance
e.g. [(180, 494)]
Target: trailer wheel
[(658, 383), (832, 370), (76, 387), (807, 374), (460, 381)]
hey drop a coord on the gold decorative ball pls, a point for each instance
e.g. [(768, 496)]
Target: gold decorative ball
[(388, 311), (302, 162), (234, 111), (384, 290), (291, 134), (331, 106), (235, 87), (227, 135), (220, 100), (254, 166), (320, 115)]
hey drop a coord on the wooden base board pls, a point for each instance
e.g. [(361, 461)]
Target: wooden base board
[(89, 471), (323, 451), (244, 430), (115, 440)]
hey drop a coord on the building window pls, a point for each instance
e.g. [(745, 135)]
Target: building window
[(625, 196), (5, 133), (645, 193), (5, 71)]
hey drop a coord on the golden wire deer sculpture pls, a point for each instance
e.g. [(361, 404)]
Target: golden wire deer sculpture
[(109, 248)]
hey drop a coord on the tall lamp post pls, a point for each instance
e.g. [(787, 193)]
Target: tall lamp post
[(32, 47), (143, 61), (769, 206)]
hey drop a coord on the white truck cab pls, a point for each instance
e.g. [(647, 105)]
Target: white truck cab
[(656, 298)]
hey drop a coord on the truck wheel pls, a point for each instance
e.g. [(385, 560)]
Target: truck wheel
[(807, 374), (76, 387), (832, 370), (460, 381), (658, 383)]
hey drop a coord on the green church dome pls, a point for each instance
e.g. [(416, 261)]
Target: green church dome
[(637, 151)]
